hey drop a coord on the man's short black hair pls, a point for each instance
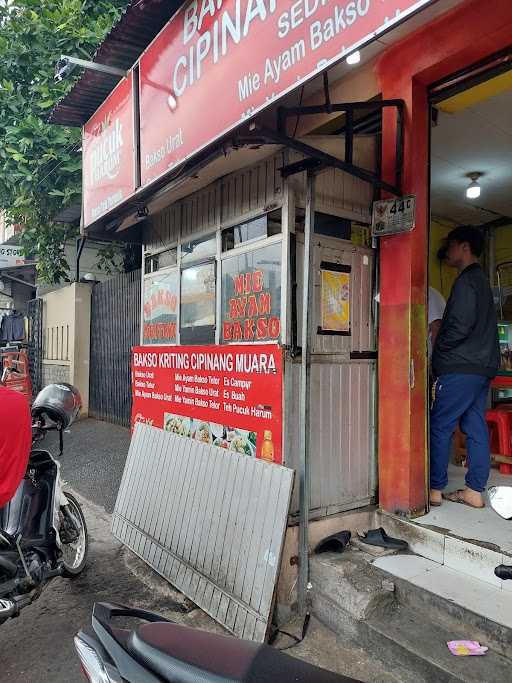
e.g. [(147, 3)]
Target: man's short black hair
[(469, 234)]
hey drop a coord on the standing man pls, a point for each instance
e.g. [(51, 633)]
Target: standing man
[(466, 357)]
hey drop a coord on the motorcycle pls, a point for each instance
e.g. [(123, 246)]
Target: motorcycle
[(160, 650), (43, 533), (500, 498)]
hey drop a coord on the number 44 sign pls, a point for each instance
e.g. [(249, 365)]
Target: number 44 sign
[(394, 216)]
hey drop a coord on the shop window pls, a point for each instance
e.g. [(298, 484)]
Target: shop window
[(257, 229), (251, 296), (332, 226), (164, 259), (160, 307), (197, 313), (326, 224), (199, 249)]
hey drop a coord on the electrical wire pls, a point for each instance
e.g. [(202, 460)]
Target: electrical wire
[(296, 639), (74, 148), (298, 115)]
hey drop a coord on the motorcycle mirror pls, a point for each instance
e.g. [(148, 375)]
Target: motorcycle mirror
[(500, 498)]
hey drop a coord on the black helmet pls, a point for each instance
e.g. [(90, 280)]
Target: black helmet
[(61, 403)]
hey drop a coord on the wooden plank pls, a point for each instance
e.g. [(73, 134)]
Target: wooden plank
[(211, 522)]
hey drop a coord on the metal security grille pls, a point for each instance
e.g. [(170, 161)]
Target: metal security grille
[(115, 329), (210, 521), (35, 344)]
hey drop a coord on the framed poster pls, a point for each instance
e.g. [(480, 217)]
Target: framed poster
[(335, 299)]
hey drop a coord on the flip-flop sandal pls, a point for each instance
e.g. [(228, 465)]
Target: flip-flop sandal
[(379, 538), (456, 497), (435, 503), (336, 543)]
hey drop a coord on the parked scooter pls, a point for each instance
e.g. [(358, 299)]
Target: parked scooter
[(43, 533), (500, 498), (161, 650)]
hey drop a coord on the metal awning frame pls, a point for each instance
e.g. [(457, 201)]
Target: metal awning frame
[(316, 160)]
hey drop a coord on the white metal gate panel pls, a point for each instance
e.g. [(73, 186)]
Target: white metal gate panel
[(212, 522)]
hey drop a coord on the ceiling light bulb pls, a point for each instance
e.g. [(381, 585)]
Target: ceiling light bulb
[(354, 58), (473, 190)]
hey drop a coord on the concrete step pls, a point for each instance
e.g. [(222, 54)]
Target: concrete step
[(454, 598), (473, 557), (408, 627)]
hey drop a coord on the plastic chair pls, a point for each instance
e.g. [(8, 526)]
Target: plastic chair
[(500, 423)]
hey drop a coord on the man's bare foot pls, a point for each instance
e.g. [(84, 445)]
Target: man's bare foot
[(473, 498), (466, 496), (436, 498)]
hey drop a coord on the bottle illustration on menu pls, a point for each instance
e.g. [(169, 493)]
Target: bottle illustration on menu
[(267, 447)]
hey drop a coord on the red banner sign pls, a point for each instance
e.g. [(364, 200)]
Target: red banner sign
[(228, 396), (217, 63), (108, 153)]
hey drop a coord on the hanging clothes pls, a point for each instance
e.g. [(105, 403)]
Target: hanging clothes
[(12, 327)]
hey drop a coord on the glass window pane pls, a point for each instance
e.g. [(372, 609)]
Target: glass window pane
[(251, 296), (259, 228), (160, 308), (197, 321), (167, 258), (199, 249)]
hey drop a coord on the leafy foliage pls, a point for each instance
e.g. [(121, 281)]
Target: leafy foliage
[(40, 164)]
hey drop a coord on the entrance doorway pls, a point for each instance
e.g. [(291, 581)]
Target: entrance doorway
[(471, 184)]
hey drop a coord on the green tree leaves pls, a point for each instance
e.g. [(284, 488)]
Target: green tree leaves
[(40, 164)]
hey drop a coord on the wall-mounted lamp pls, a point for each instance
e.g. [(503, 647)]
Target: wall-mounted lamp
[(67, 64), (354, 58), (473, 190)]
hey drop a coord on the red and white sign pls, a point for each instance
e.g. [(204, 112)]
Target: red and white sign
[(108, 153), (218, 62), (228, 396)]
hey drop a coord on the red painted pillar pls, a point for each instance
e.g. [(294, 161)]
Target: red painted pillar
[(403, 325), (455, 40)]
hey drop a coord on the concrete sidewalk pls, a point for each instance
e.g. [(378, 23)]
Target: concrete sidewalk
[(93, 461), (38, 646)]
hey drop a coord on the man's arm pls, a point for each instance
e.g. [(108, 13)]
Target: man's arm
[(461, 317)]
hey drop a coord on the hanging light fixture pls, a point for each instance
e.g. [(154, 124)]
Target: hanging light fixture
[(354, 58), (473, 190)]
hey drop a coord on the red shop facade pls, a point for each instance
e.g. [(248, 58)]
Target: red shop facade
[(248, 152)]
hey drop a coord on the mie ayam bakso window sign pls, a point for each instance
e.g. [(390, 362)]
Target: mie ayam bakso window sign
[(251, 296)]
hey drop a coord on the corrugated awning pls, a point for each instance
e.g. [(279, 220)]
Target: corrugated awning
[(141, 22)]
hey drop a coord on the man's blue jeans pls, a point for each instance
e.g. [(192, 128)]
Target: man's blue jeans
[(463, 399)]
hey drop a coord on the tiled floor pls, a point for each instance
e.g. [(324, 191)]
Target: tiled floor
[(477, 596), (483, 526)]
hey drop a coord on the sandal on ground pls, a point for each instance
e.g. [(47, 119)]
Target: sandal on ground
[(457, 497), (379, 538)]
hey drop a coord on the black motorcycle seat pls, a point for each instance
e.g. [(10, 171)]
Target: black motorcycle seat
[(180, 654)]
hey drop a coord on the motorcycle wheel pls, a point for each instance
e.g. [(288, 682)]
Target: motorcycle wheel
[(74, 555)]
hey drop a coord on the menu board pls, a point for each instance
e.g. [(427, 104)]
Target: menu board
[(230, 397)]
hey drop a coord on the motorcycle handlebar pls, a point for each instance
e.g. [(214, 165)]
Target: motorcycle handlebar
[(504, 572)]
